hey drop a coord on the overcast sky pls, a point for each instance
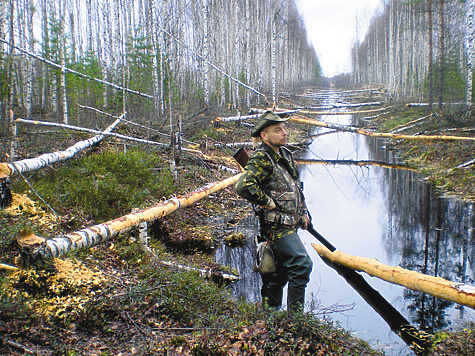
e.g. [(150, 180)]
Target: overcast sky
[(332, 27)]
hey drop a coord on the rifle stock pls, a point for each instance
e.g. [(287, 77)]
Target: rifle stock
[(241, 157)]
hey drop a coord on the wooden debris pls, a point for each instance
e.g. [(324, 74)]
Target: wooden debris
[(377, 134), (8, 267), (20, 346), (32, 164), (87, 237), (410, 124), (313, 112), (463, 165), (203, 272), (435, 286), (353, 163)]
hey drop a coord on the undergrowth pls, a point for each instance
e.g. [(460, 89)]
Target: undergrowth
[(104, 185), (138, 306)]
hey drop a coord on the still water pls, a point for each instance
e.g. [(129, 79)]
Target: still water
[(387, 214)]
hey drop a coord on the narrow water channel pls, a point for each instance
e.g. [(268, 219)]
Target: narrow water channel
[(387, 214)]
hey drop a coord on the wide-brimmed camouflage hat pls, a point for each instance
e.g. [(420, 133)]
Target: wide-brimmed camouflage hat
[(266, 119)]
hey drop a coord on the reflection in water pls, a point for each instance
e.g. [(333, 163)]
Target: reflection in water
[(428, 234), (240, 258), (387, 214)]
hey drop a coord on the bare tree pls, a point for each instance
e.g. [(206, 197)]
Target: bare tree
[(470, 43)]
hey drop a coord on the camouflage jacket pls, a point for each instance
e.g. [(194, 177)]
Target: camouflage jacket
[(270, 175)]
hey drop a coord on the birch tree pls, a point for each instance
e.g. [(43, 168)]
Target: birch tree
[(470, 42), (238, 37), (431, 60), (441, 52)]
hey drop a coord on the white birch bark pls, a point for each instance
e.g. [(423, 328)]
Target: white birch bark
[(33, 164), (84, 129), (236, 54), (30, 66), (470, 45), (205, 49), (248, 47), (94, 235), (62, 39), (108, 56), (274, 62), (162, 69)]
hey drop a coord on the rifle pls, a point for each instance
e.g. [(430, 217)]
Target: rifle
[(242, 157), (416, 339)]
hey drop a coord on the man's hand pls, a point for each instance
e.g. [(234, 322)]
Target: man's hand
[(305, 222)]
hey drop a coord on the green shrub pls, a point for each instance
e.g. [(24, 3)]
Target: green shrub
[(106, 185)]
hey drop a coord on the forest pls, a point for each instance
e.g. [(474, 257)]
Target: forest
[(117, 119), (419, 50), (154, 59)]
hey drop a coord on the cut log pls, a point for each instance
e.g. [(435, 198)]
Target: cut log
[(353, 129), (353, 163), (465, 165), (313, 112), (94, 235), (255, 114), (409, 124), (32, 164), (206, 273), (8, 267), (340, 106), (436, 286)]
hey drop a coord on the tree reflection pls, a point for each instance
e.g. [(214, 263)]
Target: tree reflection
[(428, 234)]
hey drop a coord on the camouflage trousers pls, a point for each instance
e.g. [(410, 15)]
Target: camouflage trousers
[(293, 267)]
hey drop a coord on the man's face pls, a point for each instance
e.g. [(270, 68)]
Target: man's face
[(274, 135)]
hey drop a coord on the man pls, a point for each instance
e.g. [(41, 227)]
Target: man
[(271, 182)]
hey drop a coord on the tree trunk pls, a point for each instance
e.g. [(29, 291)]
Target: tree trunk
[(441, 53), (35, 248), (32, 164), (435, 286), (62, 49), (470, 43)]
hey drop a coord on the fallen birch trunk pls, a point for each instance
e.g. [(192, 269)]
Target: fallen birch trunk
[(234, 144), (35, 247), (311, 112), (32, 164), (56, 65), (8, 267), (206, 273), (353, 163), (463, 165), (409, 124), (237, 118), (435, 286), (255, 114), (84, 129), (340, 106), (377, 134), (409, 105), (131, 123)]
